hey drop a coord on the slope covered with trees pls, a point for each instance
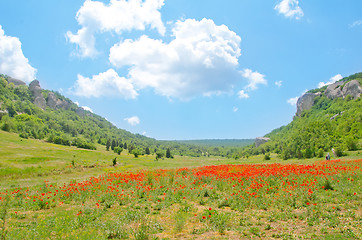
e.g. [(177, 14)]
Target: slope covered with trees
[(330, 123), (67, 124)]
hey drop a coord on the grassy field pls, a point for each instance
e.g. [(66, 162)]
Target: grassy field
[(55, 192)]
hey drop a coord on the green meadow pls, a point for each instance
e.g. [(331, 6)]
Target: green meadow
[(51, 191)]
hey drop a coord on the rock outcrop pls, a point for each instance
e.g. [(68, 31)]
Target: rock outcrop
[(16, 82), (55, 103), (80, 111), (306, 102), (39, 99), (261, 140), (342, 90), (336, 90), (352, 88)]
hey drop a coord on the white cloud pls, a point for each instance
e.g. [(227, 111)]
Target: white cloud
[(278, 83), (87, 109), (254, 79), (243, 94), (331, 80), (289, 8), (235, 109), (356, 23), (133, 120), (104, 84), (116, 17), (12, 60), (293, 101), (200, 60), (77, 103)]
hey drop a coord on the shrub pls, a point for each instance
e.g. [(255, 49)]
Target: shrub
[(158, 155), (339, 152), (135, 152), (80, 143), (320, 153), (351, 143), (118, 150), (307, 153), (24, 135), (267, 156)]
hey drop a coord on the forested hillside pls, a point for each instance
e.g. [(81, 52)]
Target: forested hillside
[(333, 121), (42, 114)]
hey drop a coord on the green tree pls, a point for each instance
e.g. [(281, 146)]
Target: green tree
[(108, 144), (147, 151), (113, 145), (168, 153), (118, 150)]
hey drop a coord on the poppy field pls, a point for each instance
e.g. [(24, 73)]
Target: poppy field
[(246, 201)]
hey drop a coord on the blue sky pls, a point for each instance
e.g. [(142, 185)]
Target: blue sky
[(183, 69)]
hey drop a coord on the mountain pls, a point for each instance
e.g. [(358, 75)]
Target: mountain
[(326, 118), (37, 113)]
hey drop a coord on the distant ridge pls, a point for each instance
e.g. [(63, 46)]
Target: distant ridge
[(219, 142)]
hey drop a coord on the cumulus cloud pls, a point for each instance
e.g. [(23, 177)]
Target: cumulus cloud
[(87, 109), (243, 94), (356, 23), (254, 79), (293, 101), (104, 84), (133, 120), (331, 80), (12, 60), (116, 17), (200, 60), (289, 8), (278, 83)]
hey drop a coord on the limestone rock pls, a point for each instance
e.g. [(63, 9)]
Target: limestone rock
[(352, 88), (40, 102), (55, 103), (63, 104), (261, 140), (80, 111), (34, 87), (52, 100), (305, 102), (39, 99), (334, 90), (16, 82)]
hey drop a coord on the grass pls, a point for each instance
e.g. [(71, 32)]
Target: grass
[(43, 196)]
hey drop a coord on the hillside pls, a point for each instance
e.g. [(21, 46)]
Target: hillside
[(37, 113), (326, 118), (219, 142)]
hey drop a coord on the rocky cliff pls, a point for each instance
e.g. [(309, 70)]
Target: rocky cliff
[(16, 82), (261, 140), (39, 99), (339, 89), (55, 103), (51, 100)]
